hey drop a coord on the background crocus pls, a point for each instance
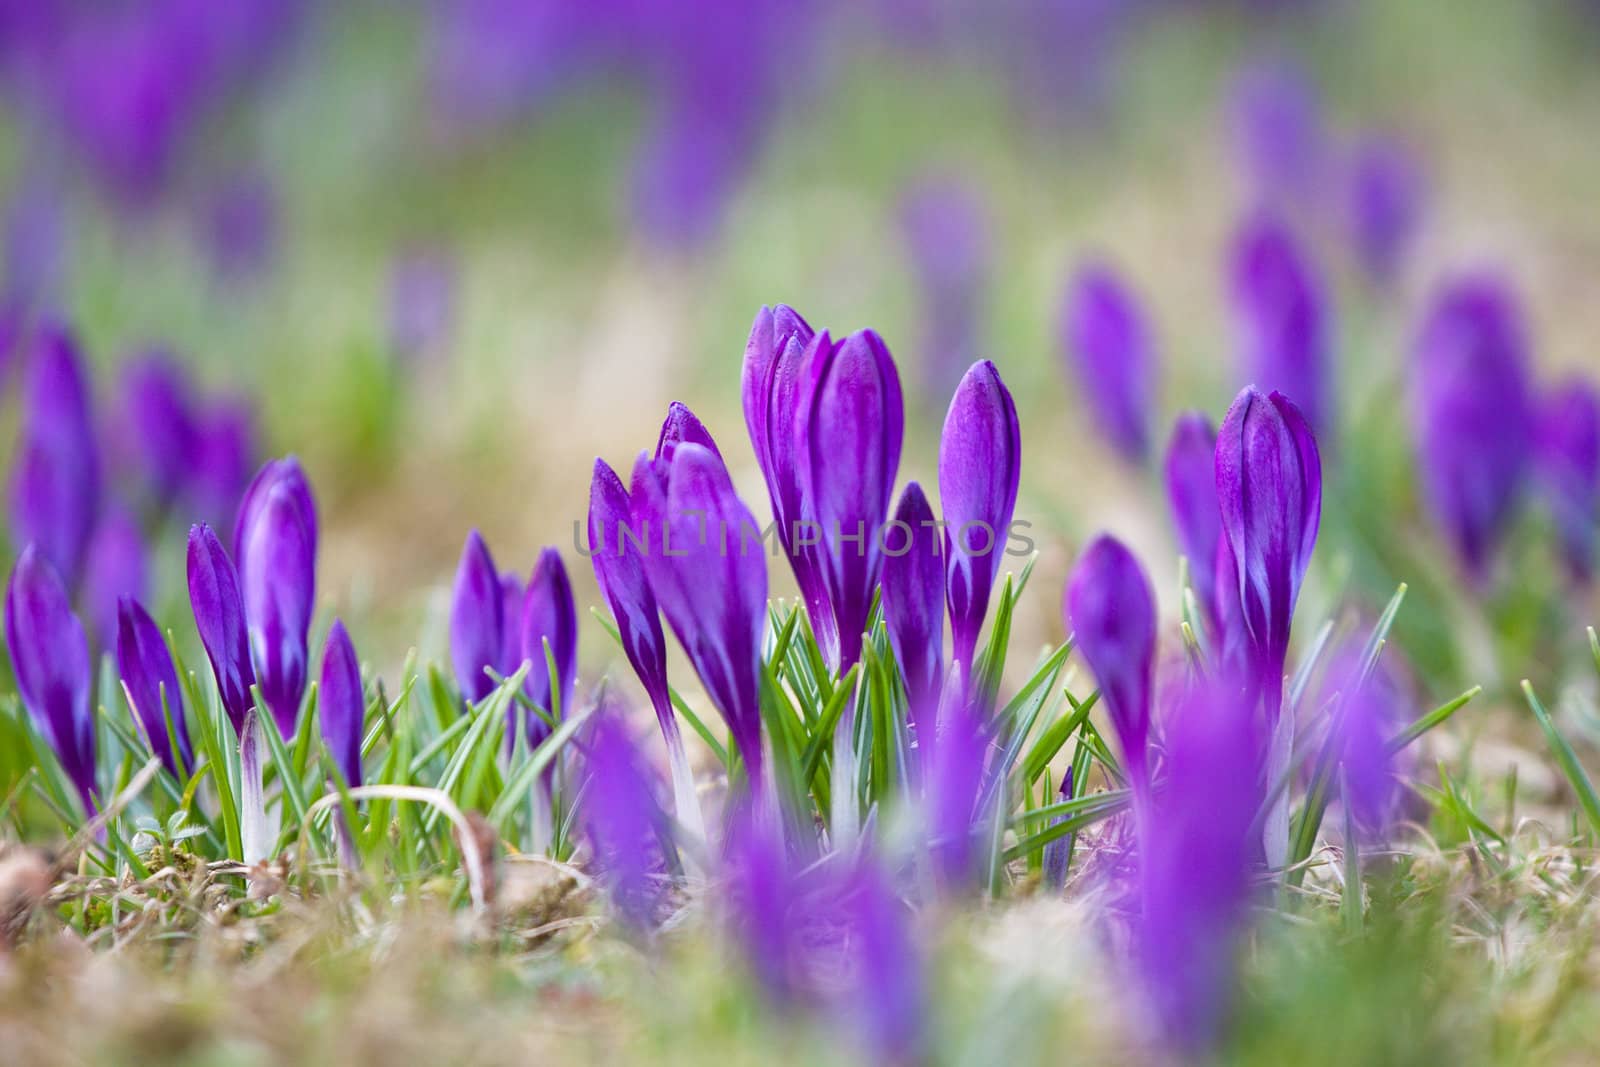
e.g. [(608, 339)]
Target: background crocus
[(1567, 454), (147, 672), (980, 465), (277, 578), (341, 703), (1275, 120), (422, 300), (219, 617), (1471, 411), (770, 386), (477, 619), (1191, 478), (158, 419), (1110, 352), (712, 588), (1280, 311), (955, 786), (1194, 870), (55, 488), (549, 618), (1269, 496), (50, 657), (115, 567), (913, 605), (885, 997), (851, 406), (1385, 193), (225, 454), (622, 821), (1111, 611), (943, 227)]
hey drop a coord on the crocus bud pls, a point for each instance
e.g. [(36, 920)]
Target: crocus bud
[(1567, 450), (1191, 476), (219, 617), (851, 407), (1194, 863), (1108, 347), (477, 619), (680, 426), (770, 386), (886, 998), (158, 417), (705, 565), (1371, 709), (1471, 410), (549, 616), (277, 577), (1385, 206), (618, 558), (913, 604), (50, 658), (151, 681), (224, 456), (287, 473), (115, 567), (980, 465), (55, 489), (1276, 126), (944, 229), (957, 763), (621, 818), (1280, 311), (1111, 610), (1269, 493), (342, 704), (512, 593)]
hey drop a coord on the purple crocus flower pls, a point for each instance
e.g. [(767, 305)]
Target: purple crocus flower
[(1109, 348), (422, 299), (1371, 710), (239, 227), (55, 489), (277, 536), (477, 619), (705, 565), (115, 568), (147, 672), (1567, 451), (1471, 408), (35, 246), (1385, 206), (980, 465), (1280, 309), (1269, 494), (50, 658), (342, 704), (219, 617), (764, 903), (956, 783), (885, 998), (158, 413), (1276, 125), (943, 227), (512, 594), (223, 460), (770, 386), (549, 617), (1192, 492), (683, 426), (851, 405), (621, 819), (1194, 868), (913, 605), (1111, 611)]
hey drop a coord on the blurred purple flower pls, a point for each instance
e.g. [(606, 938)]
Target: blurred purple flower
[(1371, 711), (34, 248), (1109, 348), (1385, 206), (770, 386), (277, 535), (55, 488), (1281, 310), (115, 568), (1471, 407), (1269, 494), (342, 704), (913, 605), (885, 998), (477, 619), (943, 227), (219, 618), (224, 457), (980, 466), (146, 668), (764, 903), (955, 787), (1275, 120), (1111, 611), (851, 406), (1567, 454), (549, 616), (422, 304), (512, 594), (621, 819), (239, 228), (1195, 863), (158, 413), (706, 567), (50, 658), (1192, 492)]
